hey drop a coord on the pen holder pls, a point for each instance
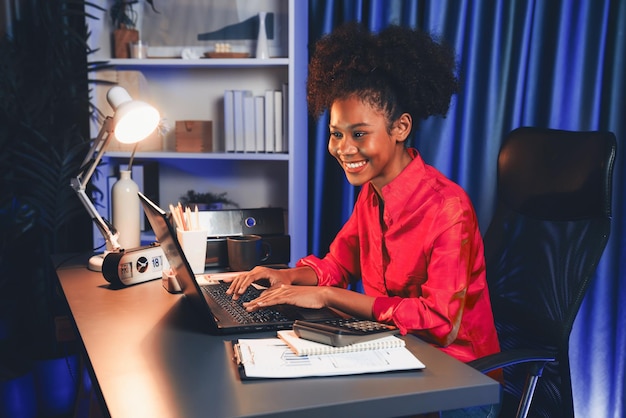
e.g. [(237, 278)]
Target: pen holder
[(194, 246)]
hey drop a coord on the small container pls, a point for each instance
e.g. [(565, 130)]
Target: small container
[(138, 49), (194, 246), (194, 135)]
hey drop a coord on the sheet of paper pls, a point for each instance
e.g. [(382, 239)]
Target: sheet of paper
[(271, 358), (214, 278)]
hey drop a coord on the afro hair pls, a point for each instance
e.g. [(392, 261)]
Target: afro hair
[(398, 70)]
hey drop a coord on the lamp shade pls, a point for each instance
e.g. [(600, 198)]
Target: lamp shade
[(134, 120)]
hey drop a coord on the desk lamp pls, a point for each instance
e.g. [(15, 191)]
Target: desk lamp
[(132, 122)]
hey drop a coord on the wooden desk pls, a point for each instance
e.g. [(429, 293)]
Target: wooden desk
[(151, 357)]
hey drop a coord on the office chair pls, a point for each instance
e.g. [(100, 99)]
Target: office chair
[(549, 230)]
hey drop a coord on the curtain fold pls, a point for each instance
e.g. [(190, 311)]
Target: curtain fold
[(556, 64)]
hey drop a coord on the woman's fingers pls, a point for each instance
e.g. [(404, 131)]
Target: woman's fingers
[(239, 284), (304, 296)]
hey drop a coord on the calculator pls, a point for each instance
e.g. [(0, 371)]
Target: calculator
[(341, 332)]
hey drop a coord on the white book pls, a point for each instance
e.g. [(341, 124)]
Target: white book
[(238, 112), (249, 120), (229, 121), (285, 116), (269, 121), (303, 347), (259, 123), (278, 121)]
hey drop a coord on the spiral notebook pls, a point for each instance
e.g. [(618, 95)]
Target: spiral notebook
[(302, 347)]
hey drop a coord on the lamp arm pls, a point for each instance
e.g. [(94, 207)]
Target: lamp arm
[(79, 183), (106, 229), (99, 146)]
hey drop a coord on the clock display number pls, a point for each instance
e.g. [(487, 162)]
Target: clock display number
[(156, 262), (126, 270)]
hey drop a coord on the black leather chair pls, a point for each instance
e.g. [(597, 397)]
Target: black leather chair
[(547, 235)]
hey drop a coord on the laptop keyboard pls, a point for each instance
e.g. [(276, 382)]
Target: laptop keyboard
[(236, 309)]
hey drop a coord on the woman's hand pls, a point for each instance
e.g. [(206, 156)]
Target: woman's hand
[(298, 286), (303, 296), (241, 282), (315, 297), (275, 277)]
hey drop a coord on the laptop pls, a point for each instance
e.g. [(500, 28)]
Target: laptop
[(208, 298)]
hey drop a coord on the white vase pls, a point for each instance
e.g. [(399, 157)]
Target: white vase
[(126, 214), (262, 48)]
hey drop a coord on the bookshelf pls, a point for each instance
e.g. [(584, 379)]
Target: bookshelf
[(193, 89)]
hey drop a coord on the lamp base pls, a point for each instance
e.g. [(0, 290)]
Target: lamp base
[(95, 262)]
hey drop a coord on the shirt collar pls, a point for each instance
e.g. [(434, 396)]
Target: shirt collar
[(398, 190)]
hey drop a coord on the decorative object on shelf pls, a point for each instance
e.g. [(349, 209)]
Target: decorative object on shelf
[(227, 54), (262, 47), (194, 136), (122, 38), (223, 47), (246, 29), (190, 54), (139, 49), (132, 122), (206, 201), (125, 17), (126, 210)]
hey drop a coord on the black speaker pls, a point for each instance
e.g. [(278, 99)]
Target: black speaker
[(279, 249), (229, 222)]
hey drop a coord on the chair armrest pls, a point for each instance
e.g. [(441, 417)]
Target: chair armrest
[(508, 358)]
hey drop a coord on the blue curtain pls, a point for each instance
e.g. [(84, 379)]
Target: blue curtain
[(547, 63)]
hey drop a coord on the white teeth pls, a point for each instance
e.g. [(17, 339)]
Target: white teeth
[(355, 165)]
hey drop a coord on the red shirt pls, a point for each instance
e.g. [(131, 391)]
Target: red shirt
[(425, 264)]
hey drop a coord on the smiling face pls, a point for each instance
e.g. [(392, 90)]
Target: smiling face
[(364, 146)]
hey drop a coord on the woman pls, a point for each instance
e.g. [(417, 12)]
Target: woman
[(413, 237)]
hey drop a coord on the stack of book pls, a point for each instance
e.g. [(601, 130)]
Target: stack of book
[(255, 123)]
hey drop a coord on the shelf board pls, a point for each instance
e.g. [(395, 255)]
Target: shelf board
[(202, 155), (196, 63)]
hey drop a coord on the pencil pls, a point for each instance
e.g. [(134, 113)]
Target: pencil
[(181, 214), (175, 216), (188, 219)]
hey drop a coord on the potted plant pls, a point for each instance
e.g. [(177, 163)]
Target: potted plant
[(206, 201), (44, 136), (124, 17)]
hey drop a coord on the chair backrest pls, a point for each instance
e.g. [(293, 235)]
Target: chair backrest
[(549, 230)]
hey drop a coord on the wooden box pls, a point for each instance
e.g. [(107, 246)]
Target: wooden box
[(194, 136)]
